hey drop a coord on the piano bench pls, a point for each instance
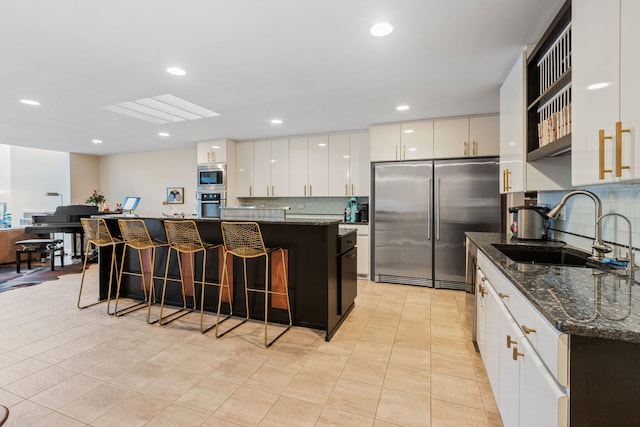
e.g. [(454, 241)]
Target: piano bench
[(50, 246)]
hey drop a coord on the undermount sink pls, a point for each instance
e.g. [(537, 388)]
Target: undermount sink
[(544, 255)]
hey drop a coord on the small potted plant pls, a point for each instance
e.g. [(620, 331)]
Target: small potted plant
[(96, 198)]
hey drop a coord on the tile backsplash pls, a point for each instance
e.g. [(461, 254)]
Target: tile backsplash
[(580, 215), (304, 205)]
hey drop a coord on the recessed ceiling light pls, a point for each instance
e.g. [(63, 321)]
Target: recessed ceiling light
[(96, 141), (381, 29), (176, 71), (30, 102), (408, 131), (597, 86), (163, 134), (276, 122), (402, 107)]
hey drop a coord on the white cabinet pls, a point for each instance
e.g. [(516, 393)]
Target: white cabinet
[(526, 359), (271, 168), (319, 165), (466, 137), (298, 167), (402, 141), (244, 169), (606, 114), (212, 151), (348, 165), (363, 248), (512, 129)]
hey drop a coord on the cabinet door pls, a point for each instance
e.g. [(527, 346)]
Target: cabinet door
[(279, 162), (417, 140), (319, 165), (630, 86), (451, 138), (492, 337), (339, 165), (244, 170), (542, 401), (595, 60), (299, 167), (484, 134), (480, 314), (512, 129), (385, 142), (262, 168), (363, 256), (509, 380), (359, 165)]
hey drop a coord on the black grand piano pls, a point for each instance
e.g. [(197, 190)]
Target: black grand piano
[(66, 219)]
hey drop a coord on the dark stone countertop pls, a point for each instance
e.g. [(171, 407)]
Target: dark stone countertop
[(288, 221), (576, 300)]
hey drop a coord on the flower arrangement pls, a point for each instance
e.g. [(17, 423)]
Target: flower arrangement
[(96, 198)]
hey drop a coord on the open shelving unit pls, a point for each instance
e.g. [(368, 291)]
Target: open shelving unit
[(549, 90)]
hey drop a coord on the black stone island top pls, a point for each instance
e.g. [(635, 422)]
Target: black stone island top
[(580, 301)]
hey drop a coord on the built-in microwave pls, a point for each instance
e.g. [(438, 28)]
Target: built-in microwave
[(212, 177)]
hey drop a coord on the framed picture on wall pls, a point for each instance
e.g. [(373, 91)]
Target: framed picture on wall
[(175, 195)]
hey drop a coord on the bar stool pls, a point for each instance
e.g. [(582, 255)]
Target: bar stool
[(136, 236), (244, 240), (184, 238), (98, 234)]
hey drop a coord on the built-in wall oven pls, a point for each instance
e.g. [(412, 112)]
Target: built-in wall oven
[(212, 177), (209, 204)]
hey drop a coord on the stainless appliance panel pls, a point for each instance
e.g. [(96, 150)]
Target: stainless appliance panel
[(466, 198), (403, 212), (209, 204), (212, 177)]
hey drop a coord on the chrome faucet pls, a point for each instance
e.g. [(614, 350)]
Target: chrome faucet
[(630, 257), (599, 247)]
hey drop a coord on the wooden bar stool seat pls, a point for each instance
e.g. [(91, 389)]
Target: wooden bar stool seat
[(244, 240)]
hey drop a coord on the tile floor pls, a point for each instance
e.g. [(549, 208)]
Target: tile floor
[(402, 358)]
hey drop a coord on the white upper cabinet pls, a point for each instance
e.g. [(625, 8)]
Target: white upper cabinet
[(339, 165), (318, 165), (271, 168), (605, 91), (512, 129), (212, 151), (466, 137), (416, 140), (299, 167), (244, 169), (349, 165), (385, 142)]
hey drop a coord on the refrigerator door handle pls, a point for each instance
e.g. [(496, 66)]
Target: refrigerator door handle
[(437, 208), (429, 209)]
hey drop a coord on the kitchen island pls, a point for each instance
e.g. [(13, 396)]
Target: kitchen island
[(313, 271), (596, 318)]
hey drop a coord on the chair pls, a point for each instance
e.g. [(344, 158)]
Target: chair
[(136, 236), (97, 233), (184, 238), (244, 240)]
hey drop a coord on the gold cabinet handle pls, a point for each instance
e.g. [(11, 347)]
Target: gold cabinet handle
[(273, 190), (396, 152), (503, 296), (353, 189), (481, 290), (527, 330), (267, 190), (250, 190), (516, 353), (510, 341), (346, 189), (305, 190), (465, 149), (475, 148), (601, 139), (404, 152), (310, 190), (619, 132)]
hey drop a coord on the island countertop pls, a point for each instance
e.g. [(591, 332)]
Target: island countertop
[(579, 301)]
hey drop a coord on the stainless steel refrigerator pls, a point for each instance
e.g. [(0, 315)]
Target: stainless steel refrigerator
[(420, 212)]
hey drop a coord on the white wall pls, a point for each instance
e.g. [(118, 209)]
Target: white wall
[(84, 171), (33, 173), (5, 174), (148, 175)]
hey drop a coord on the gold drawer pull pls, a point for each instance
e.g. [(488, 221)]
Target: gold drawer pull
[(481, 290), (503, 296), (516, 353), (528, 330), (510, 341)]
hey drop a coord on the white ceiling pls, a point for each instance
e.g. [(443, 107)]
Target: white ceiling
[(311, 63)]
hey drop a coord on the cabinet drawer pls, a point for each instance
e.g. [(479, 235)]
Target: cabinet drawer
[(347, 242)]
